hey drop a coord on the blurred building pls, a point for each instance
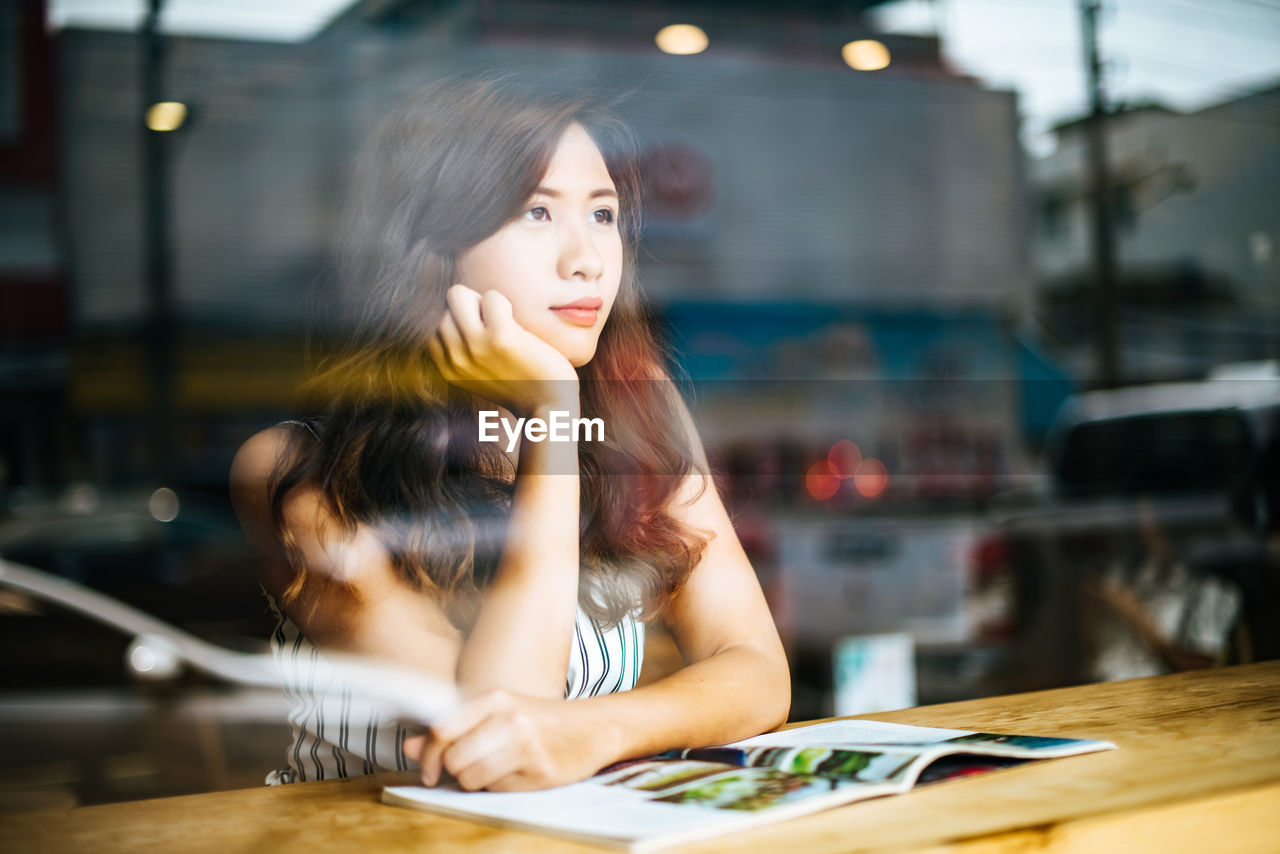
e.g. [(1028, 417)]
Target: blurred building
[(1198, 222), (776, 173)]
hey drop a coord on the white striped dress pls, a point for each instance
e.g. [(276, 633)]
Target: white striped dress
[(336, 734)]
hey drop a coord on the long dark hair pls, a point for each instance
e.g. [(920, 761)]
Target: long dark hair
[(397, 446)]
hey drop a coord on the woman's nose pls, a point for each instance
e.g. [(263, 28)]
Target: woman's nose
[(578, 255)]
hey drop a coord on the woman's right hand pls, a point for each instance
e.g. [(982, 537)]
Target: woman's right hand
[(505, 742), (479, 346)]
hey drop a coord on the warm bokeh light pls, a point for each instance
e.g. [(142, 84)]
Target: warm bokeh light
[(845, 457), (872, 478), (822, 482), (865, 55), (166, 115), (682, 39)]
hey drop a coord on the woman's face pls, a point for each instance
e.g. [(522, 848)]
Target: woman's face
[(559, 262)]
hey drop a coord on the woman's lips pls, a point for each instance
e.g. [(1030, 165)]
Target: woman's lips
[(583, 312), (578, 316)]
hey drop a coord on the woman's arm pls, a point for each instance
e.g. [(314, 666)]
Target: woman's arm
[(521, 638), (354, 600), (736, 684)]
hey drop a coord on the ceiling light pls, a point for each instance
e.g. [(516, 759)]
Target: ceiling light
[(682, 39), (166, 115), (865, 55)]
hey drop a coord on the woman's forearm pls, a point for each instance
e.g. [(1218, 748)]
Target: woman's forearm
[(737, 693), (521, 637)]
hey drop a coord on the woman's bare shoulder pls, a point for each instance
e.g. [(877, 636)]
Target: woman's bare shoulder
[(250, 484), (250, 477), (256, 459), (260, 454), (257, 462), (312, 524), (301, 516)]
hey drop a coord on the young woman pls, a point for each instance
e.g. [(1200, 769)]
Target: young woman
[(491, 258)]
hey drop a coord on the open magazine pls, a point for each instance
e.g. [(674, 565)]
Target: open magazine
[(684, 795)]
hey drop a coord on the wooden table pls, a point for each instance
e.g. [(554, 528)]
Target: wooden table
[(1198, 770)]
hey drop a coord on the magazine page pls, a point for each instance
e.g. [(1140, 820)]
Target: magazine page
[(956, 765), (870, 764), (746, 789), (693, 794), (661, 801), (900, 767), (852, 732), (649, 803), (872, 734), (1023, 746), (611, 814)]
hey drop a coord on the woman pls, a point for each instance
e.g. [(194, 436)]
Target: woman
[(491, 252)]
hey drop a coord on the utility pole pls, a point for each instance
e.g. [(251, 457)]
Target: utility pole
[(160, 354), (1109, 372)]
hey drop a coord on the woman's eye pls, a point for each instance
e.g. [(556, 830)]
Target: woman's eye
[(604, 216), (538, 214)]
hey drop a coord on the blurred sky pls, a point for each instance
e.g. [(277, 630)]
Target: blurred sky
[(1185, 53)]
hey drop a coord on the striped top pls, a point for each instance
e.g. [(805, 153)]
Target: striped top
[(338, 734)]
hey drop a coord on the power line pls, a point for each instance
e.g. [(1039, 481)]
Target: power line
[(1269, 5), (1183, 63), (1237, 32), (1218, 8)]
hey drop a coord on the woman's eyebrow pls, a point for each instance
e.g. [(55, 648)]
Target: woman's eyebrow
[(594, 194)]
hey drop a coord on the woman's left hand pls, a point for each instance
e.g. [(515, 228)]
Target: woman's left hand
[(481, 347), (508, 742)]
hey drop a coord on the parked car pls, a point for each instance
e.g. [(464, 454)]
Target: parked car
[(1174, 462)]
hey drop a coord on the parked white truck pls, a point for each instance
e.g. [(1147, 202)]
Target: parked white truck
[(1178, 463)]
